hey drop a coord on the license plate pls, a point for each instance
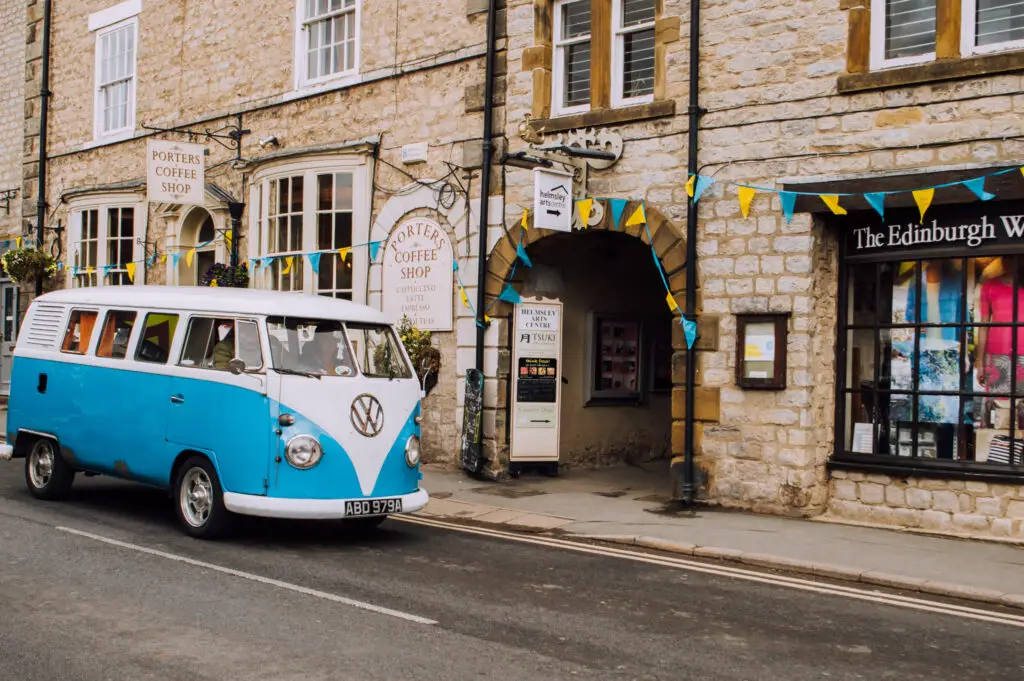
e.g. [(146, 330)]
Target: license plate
[(373, 507)]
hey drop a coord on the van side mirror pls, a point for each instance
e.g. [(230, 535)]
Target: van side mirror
[(236, 366)]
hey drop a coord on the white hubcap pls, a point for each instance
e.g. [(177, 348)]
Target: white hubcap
[(196, 497), (40, 464)]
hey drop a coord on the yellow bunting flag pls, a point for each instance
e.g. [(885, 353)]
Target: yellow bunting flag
[(586, 206), (90, 270), (287, 265), (487, 320), (227, 237), (163, 258), (18, 242), (923, 199), (638, 217), (343, 253), (213, 283), (190, 256), (672, 304), (746, 197), (130, 269), (1022, 170), (465, 298), (524, 222), (832, 201), (690, 185)]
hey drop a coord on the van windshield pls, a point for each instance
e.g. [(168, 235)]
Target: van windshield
[(319, 347), (309, 346)]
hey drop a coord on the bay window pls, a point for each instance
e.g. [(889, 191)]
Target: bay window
[(104, 239), (312, 208)]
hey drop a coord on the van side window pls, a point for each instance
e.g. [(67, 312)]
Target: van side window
[(157, 335), (248, 335), (117, 329), (79, 332), (210, 343)]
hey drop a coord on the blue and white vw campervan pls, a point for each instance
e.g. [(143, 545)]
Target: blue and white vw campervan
[(237, 401)]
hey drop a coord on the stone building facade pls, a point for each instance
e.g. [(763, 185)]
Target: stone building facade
[(798, 102), (12, 113)]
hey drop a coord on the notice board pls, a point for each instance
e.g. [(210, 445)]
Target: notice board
[(537, 380)]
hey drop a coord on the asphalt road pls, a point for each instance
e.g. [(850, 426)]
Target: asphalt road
[(160, 606)]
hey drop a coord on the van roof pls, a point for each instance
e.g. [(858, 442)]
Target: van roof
[(222, 300)]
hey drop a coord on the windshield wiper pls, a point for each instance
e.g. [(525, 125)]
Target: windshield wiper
[(296, 372)]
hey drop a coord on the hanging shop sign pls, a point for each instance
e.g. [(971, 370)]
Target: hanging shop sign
[(972, 226), (537, 380), (176, 172), (552, 200), (418, 275)]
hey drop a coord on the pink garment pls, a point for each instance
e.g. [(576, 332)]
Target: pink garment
[(997, 308)]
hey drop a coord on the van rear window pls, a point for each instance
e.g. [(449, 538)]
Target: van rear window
[(79, 332), (117, 329)]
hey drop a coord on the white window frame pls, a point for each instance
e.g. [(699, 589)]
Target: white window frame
[(877, 46), (128, 130), (103, 204), (351, 76), (968, 24), (558, 64), (309, 168), (619, 58)]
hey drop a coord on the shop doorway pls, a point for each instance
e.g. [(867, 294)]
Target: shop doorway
[(198, 231), (10, 316), (616, 371)]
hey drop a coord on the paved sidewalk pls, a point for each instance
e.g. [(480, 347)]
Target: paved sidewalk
[(629, 505)]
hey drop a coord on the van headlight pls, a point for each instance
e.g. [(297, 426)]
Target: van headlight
[(303, 451), (412, 451)]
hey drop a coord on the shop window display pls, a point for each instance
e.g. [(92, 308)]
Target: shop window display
[(934, 365)]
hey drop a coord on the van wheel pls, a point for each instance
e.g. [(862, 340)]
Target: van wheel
[(47, 474), (199, 501)]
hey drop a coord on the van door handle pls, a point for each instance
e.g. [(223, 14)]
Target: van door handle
[(178, 399)]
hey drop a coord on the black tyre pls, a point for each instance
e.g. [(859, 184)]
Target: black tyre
[(47, 474), (199, 500)]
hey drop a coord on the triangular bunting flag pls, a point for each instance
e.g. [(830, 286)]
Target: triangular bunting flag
[(923, 199), (746, 197), (287, 265), (487, 320), (703, 182), (463, 296), (374, 249), (977, 185), (227, 238), (832, 201), (638, 217), (617, 206), (671, 300), (455, 265), (130, 269), (525, 221), (174, 259), (690, 185), (189, 256), (60, 266), (788, 200), (877, 201), (163, 258), (586, 206), (90, 270), (510, 295), (265, 263), (343, 253), (314, 261), (690, 332), (521, 254), (18, 242)]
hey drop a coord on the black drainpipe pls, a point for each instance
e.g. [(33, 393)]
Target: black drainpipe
[(44, 112), (694, 112), (485, 190)]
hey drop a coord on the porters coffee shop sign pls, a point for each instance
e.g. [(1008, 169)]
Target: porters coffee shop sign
[(951, 230), (176, 172), (418, 275)]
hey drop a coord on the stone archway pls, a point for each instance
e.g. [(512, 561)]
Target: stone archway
[(669, 245), (199, 231)]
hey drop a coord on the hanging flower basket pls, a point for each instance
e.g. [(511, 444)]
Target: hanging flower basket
[(225, 275), (25, 265)]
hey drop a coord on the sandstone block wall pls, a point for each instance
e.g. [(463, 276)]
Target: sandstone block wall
[(12, 109)]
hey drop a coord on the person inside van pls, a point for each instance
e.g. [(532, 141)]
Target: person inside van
[(323, 353), (224, 350)]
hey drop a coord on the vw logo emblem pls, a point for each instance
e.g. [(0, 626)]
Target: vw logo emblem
[(367, 415)]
